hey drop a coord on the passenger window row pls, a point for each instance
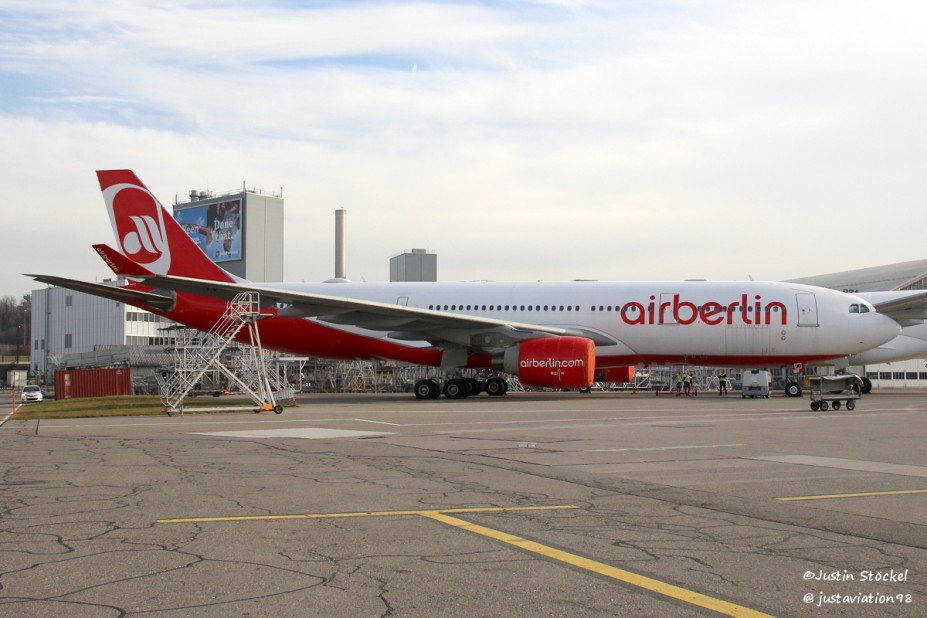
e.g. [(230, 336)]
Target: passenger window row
[(503, 307), (603, 308)]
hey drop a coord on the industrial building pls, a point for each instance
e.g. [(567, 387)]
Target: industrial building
[(414, 265), (241, 232), (69, 327)]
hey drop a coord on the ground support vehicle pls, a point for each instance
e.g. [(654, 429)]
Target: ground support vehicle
[(755, 383)]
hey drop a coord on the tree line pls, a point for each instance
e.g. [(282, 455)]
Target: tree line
[(15, 322)]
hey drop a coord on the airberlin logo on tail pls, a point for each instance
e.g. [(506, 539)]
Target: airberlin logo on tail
[(138, 221), (146, 236)]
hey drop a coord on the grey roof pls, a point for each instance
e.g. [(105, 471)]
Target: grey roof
[(903, 275)]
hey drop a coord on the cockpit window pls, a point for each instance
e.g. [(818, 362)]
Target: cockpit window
[(854, 308), (861, 308)]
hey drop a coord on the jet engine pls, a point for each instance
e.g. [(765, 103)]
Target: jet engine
[(556, 362)]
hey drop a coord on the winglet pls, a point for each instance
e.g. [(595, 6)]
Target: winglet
[(120, 264)]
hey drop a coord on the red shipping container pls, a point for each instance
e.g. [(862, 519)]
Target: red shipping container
[(75, 383)]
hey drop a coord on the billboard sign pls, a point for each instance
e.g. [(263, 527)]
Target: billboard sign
[(215, 228)]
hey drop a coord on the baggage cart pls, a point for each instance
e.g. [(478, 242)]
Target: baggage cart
[(834, 391)]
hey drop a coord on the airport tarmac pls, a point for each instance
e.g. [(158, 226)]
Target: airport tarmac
[(528, 505)]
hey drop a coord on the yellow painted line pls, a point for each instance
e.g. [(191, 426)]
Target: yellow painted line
[(197, 520), (443, 516), (859, 495), (641, 581)]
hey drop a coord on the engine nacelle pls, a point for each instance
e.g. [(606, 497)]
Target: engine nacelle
[(557, 362)]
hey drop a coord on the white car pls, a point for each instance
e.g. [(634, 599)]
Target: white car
[(31, 393)]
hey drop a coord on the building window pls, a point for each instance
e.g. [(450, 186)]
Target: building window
[(68, 301), (68, 340)]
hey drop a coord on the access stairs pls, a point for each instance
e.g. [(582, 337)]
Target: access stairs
[(245, 367)]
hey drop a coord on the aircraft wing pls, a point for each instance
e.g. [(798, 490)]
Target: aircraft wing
[(401, 322), (112, 292), (899, 306)]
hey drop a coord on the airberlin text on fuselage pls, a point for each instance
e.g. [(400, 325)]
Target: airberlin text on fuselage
[(713, 313)]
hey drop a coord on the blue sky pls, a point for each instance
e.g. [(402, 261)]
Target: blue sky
[(519, 141)]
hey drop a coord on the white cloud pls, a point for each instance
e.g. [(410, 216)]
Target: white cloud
[(561, 140)]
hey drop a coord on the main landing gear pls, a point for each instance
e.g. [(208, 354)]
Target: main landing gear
[(793, 389), (459, 388)]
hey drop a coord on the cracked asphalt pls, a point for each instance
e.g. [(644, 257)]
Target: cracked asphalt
[(381, 505)]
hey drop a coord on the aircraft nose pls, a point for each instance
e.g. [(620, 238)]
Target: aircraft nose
[(883, 331)]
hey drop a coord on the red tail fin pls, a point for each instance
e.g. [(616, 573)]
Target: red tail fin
[(148, 235)]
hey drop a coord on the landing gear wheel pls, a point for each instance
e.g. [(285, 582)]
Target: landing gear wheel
[(823, 406), (426, 389), (851, 405), (793, 389), (455, 388), (473, 387), (495, 387), (867, 386)]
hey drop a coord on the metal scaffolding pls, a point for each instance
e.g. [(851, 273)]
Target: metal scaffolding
[(196, 353)]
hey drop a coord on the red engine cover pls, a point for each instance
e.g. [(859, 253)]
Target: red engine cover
[(558, 362)]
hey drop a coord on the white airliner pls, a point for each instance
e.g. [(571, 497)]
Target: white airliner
[(546, 334)]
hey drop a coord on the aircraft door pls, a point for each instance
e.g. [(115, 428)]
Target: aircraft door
[(807, 309), (665, 316)]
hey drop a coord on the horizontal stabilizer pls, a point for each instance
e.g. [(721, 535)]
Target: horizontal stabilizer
[(159, 301), (120, 264)]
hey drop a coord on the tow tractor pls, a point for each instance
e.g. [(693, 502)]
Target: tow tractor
[(834, 391)]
